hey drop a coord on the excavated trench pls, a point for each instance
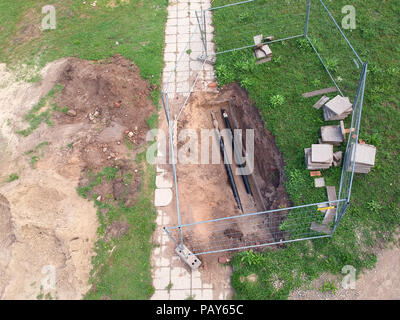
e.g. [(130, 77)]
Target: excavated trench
[(205, 192)]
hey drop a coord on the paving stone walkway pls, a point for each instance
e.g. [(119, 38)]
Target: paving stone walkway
[(173, 279)]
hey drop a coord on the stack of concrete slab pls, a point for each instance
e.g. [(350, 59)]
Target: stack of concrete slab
[(319, 156), (262, 52), (332, 135), (337, 109), (363, 156)]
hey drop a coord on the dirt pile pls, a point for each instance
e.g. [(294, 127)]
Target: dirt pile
[(100, 122)]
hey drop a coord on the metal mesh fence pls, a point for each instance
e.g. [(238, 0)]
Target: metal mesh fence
[(348, 163), (339, 58), (274, 227), (285, 20), (238, 24)]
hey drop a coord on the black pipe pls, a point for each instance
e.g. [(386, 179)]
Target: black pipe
[(227, 165), (244, 176)]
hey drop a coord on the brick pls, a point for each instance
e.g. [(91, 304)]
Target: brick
[(315, 173)]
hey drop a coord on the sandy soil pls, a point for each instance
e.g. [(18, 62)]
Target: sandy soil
[(380, 283), (43, 221)]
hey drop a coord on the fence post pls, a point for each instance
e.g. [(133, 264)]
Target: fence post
[(307, 18), (205, 33), (172, 150), (358, 122), (199, 22), (339, 216)]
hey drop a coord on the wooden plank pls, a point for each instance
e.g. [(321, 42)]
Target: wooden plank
[(320, 228), (319, 92), (331, 192)]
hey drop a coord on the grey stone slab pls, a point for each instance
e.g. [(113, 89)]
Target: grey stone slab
[(322, 153), (329, 216), (319, 182), (339, 105), (313, 166), (321, 102), (331, 135), (258, 39), (331, 192), (365, 154), (264, 52)]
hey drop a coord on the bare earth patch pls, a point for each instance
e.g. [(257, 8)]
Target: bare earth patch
[(43, 220), (380, 283)]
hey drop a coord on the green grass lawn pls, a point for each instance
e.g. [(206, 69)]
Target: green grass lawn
[(135, 29), (86, 32), (124, 273), (276, 88)]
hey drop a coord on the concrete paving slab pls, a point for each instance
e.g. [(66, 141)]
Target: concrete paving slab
[(163, 181), (322, 153), (331, 192), (331, 135), (339, 105), (162, 197), (319, 182), (365, 154)]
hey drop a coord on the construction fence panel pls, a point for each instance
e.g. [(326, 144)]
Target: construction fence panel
[(333, 47), (238, 23), (351, 148), (273, 227)]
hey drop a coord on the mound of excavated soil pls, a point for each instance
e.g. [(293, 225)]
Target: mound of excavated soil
[(43, 221), (113, 99)]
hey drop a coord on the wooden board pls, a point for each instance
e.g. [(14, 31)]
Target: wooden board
[(319, 92)]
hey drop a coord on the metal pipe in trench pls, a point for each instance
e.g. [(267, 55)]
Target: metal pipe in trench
[(237, 156), (227, 165)]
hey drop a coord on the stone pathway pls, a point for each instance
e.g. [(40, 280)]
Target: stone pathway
[(172, 278)]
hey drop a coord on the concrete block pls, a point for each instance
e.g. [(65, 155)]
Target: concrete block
[(319, 182), (188, 257)]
